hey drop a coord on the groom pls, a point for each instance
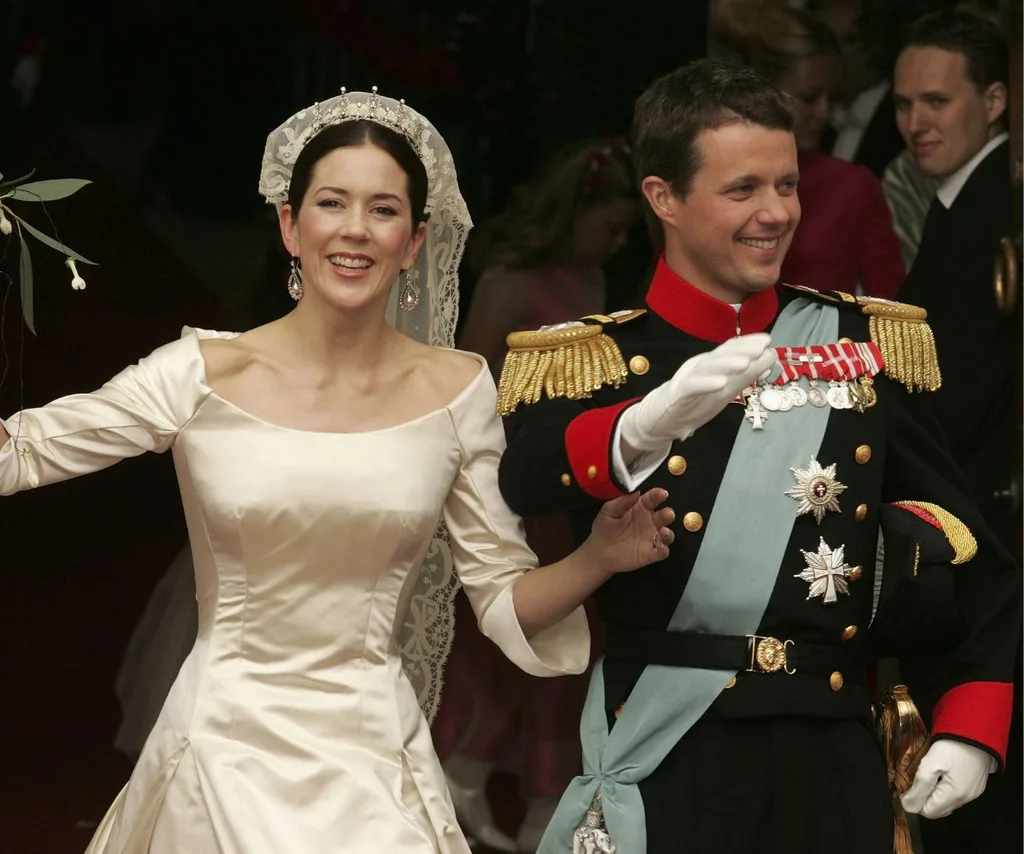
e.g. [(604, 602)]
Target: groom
[(731, 711)]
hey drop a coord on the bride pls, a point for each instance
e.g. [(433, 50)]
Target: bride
[(315, 457)]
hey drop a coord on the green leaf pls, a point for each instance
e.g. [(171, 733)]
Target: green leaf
[(53, 244), (48, 191), (7, 185), (25, 276)]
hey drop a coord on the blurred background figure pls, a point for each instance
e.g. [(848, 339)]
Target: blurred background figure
[(861, 127), (845, 240), (951, 97), (908, 189), (538, 262), (542, 259)]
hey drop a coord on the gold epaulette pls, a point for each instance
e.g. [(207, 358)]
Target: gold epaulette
[(571, 360), (901, 333), (905, 339), (957, 533)]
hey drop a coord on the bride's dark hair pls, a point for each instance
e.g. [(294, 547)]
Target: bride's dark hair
[(357, 133)]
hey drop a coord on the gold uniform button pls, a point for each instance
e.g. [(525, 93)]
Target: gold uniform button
[(835, 681), (693, 521), (845, 340), (676, 464), (862, 512), (639, 365), (566, 480), (849, 633), (862, 454), (731, 682), (855, 573), (592, 472)]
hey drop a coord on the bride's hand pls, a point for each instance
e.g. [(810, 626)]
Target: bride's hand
[(631, 532)]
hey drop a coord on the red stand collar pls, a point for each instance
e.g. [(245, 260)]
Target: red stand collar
[(692, 311)]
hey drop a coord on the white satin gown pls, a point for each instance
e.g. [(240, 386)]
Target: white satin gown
[(291, 727)]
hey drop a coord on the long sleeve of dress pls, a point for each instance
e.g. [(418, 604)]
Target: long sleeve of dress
[(141, 409), (490, 550)]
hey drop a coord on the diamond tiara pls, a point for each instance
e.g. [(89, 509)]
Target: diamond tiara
[(398, 117), (285, 143)]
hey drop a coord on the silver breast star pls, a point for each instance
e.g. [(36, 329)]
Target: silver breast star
[(826, 572), (816, 489)]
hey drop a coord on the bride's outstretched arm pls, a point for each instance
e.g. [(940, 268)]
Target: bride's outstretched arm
[(141, 409)]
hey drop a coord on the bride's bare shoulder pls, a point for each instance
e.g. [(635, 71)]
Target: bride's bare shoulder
[(461, 367), (227, 357), (450, 372)]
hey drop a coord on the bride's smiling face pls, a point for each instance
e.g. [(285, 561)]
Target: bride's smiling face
[(353, 231)]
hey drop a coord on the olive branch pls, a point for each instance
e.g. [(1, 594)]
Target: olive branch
[(37, 192)]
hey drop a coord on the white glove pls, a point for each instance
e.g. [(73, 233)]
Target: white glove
[(950, 775), (701, 388)]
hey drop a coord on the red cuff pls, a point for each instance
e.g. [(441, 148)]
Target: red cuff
[(588, 441), (978, 712)]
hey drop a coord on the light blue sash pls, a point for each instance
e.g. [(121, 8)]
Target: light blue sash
[(729, 587)]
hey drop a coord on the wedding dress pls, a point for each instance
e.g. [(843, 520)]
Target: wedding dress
[(292, 726)]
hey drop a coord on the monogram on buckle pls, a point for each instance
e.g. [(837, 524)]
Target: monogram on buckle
[(769, 655)]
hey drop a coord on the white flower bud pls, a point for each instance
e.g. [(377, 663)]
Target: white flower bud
[(77, 282), (5, 224)]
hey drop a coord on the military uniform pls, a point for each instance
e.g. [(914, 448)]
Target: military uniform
[(786, 758)]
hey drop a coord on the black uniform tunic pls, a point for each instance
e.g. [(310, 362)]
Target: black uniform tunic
[(782, 762)]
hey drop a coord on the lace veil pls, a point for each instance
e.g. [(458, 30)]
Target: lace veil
[(426, 636)]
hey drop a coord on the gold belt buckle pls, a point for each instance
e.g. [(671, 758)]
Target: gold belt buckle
[(769, 655)]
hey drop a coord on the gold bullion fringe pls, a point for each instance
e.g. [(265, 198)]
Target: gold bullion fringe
[(908, 348), (905, 740), (959, 535), (573, 369)]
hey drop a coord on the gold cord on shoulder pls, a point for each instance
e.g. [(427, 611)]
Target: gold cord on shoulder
[(959, 535)]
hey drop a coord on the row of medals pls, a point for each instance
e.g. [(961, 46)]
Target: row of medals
[(858, 394)]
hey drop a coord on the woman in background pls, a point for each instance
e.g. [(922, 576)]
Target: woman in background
[(539, 262)]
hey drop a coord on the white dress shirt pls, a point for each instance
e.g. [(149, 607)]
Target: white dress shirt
[(950, 187)]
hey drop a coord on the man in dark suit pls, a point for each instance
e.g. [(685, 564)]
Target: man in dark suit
[(951, 97), (862, 128), (950, 88), (754, 732)]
